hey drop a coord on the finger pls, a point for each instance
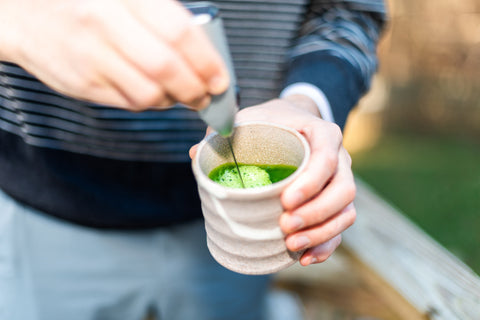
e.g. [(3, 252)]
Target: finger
[(339, 192), (321, 252), (164, 104), (313, 236), (193, 151), (103, 76), (175, 26), (106, 95), (155, 59), (325, 141), (87, 86), (138, 91)]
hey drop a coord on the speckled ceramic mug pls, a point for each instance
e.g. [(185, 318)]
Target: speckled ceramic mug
[(242, 227)]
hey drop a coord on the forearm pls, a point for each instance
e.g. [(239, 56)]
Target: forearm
[(344, 30), (335, 78), (336, 52)]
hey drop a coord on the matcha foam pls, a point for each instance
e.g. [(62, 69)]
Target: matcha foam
[(252, 176)]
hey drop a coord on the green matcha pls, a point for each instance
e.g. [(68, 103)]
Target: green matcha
[(253, 175)]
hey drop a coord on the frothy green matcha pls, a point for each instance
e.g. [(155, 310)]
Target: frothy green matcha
[(253, 175)]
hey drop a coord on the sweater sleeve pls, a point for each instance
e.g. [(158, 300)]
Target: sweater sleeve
[(336, 51)]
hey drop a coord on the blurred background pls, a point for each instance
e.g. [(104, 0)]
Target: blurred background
[(415, 138)]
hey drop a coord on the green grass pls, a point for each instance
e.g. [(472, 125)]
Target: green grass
[(433, 180)]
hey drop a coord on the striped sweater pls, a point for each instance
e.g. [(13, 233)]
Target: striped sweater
[(107, 167)]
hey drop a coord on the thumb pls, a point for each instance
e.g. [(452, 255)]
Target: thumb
[(193, 151)]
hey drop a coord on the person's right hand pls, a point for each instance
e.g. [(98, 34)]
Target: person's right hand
[(132, 54)]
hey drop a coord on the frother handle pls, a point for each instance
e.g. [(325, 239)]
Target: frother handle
[(220, 114)]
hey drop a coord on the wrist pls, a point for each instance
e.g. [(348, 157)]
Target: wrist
[(303, 102), (315, 94)]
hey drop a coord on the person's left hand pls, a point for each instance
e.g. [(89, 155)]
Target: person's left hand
[(319, 203)]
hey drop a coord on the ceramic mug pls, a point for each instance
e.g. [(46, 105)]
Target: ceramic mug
[(243, 232)]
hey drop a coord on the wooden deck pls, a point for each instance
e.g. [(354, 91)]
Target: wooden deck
[(386, 269)]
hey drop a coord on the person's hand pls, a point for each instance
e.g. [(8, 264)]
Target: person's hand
[(319, 203), (133, 54)]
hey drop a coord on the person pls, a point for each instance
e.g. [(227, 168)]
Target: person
[(99, 212)]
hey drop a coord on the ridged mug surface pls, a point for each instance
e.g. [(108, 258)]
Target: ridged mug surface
[(242, 224)]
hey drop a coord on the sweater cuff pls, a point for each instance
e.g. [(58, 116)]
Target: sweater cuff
[(332, 75)]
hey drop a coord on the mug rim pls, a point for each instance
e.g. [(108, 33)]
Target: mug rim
[(250, 193)]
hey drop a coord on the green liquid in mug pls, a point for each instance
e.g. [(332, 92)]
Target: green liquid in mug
[(253, 175)]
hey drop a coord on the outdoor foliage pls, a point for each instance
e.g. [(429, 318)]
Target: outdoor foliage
[(433, 180)]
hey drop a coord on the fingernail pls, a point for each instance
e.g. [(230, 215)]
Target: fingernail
[(301, 242), (306, 261), (217, 85), (294, 222)]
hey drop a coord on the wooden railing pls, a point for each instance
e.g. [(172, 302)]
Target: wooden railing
[(394, 261)]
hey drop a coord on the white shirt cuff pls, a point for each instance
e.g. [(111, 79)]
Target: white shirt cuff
[(313, 93)]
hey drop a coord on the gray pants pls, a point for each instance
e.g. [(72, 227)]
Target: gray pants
[(51, 269)]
